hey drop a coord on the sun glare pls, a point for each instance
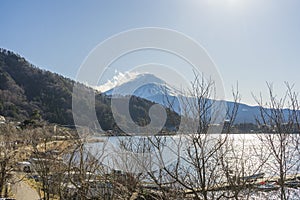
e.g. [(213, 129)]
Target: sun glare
[(234, 4)]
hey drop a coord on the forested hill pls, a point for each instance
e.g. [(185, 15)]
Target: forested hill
[(26, 90)]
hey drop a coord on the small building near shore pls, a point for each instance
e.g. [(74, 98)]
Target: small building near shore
[(2, 119)]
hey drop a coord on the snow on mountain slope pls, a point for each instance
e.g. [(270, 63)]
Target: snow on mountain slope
[(149, 87), (116, 80), (152, 88)]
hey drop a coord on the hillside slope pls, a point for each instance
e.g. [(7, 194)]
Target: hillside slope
[(26, 90)]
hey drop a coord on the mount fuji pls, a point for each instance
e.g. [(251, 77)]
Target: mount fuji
[(154, 89), (149, 87)]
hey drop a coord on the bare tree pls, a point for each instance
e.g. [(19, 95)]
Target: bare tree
[(197, 169), (47, 157), (278, 118), (242, 164), (8, 151)]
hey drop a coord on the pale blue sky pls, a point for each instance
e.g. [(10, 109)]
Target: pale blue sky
[(251, 41)]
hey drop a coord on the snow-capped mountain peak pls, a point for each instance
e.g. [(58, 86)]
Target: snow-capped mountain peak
[(146, 86), (143, 85), (152, 88)]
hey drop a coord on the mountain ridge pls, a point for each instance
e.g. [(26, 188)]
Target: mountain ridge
[(159, 92), (27, 91)]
